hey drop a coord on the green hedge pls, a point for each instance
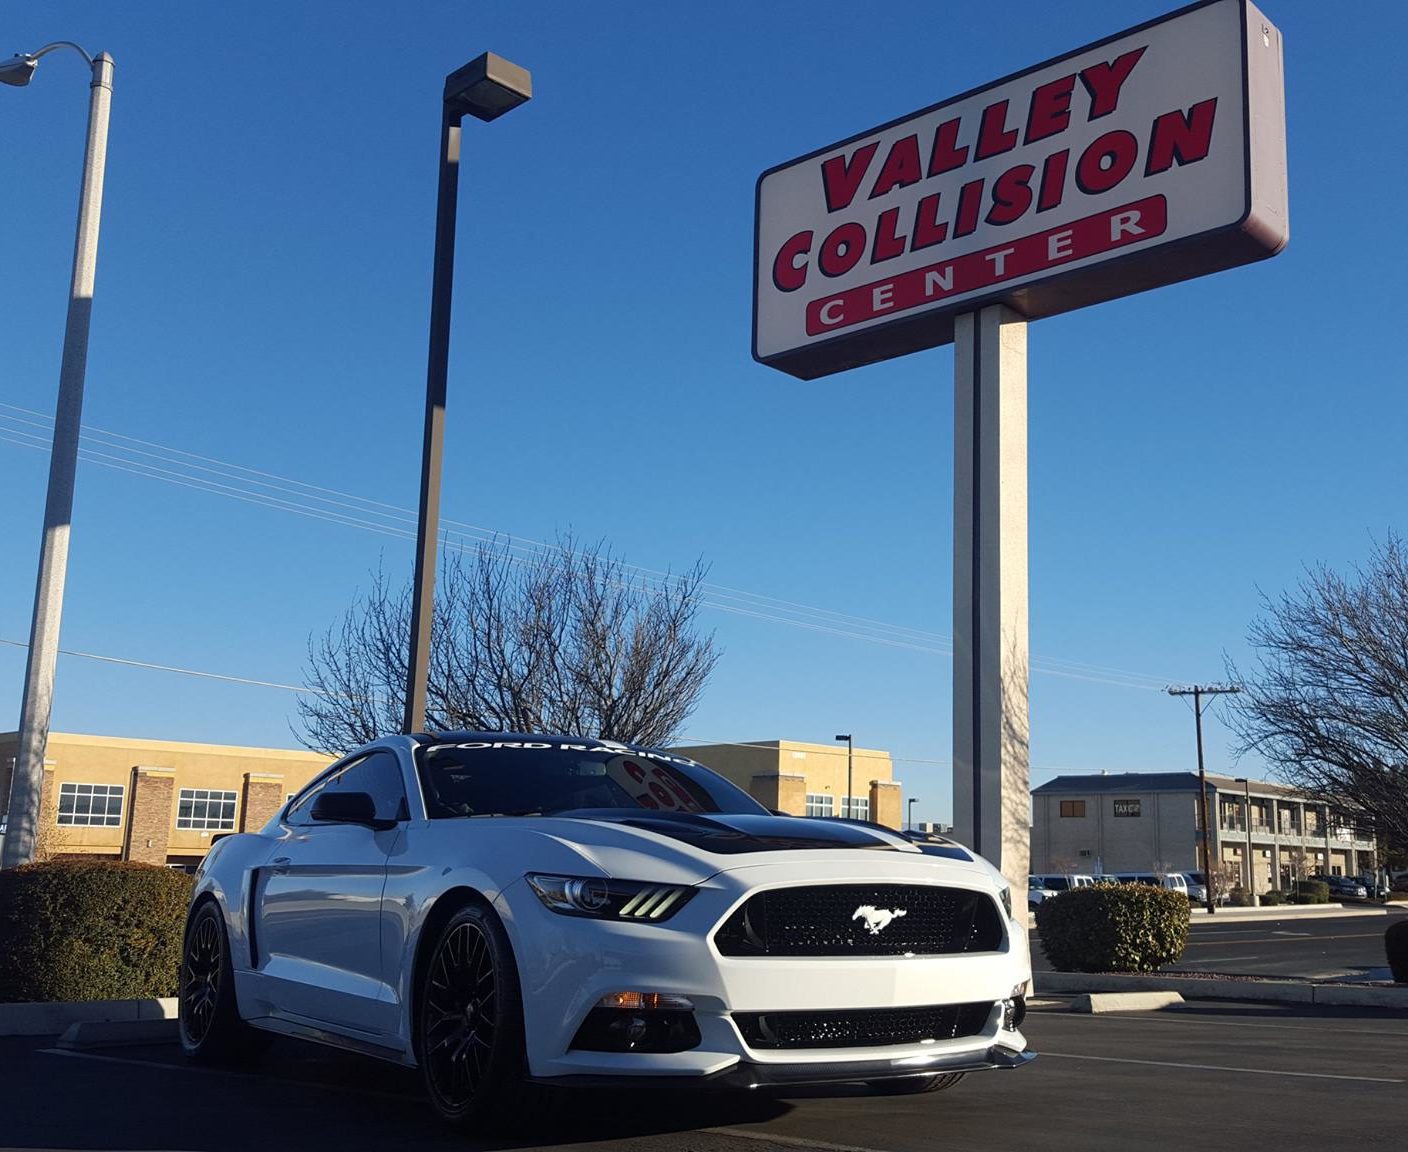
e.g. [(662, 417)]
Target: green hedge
[(1129, 928), (1396, 945), (1273, 897), (101, 930), (1311, 892)]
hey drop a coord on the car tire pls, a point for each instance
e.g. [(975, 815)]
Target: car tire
[(914, 1085), (468, 1031), (209, 1023)]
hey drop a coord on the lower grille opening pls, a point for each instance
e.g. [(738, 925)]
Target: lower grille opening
[(862, 1027)]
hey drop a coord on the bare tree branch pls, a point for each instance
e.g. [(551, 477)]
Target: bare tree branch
[(1327, 704), (565, 641)]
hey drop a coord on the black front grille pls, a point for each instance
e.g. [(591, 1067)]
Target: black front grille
[(863, 920), (862, 1028)]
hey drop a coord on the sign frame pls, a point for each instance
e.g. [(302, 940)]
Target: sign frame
[(1261, 230)]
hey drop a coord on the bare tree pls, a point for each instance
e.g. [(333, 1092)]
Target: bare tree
[(567, 640), (1327, 705)]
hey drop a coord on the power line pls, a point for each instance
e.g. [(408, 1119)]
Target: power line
[(373, 515)]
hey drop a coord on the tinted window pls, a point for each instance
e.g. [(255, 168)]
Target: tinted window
[(378, 774), (1057, 883), (521, 778)]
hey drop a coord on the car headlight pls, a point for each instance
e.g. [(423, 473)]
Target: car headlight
[(604, 899), (1006, 897)]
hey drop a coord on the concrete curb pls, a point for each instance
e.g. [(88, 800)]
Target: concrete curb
[(1292, 911), (54, 1017), (1094, 1003), (1271, 991), (117, 1033)]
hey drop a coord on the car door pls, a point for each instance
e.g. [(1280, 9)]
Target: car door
[(317, 931)]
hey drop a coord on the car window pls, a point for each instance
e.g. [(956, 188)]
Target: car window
[(520, 778), (378, 774), (1057, 883)]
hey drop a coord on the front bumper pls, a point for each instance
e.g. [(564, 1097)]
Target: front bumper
[(747, 1075), (567, 965)]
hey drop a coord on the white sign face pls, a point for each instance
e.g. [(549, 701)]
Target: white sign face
[(1154, 156)]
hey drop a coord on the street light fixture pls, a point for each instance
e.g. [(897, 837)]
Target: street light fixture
[(485, 88), (27, 779), (850, 803), (1247, 810), (909, 811)]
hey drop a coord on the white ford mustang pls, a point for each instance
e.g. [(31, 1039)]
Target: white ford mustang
[(510, 912)]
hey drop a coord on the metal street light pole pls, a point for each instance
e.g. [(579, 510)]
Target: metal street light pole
[(910, 811), (850, 802), (26, 783), (1247, 810), (485, 88)]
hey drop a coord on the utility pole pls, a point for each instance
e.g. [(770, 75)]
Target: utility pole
[(1198, 691)]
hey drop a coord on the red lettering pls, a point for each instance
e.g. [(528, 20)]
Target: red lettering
[(947, 155), (1181, 139), (841, 177), (970, 203), (887, 243), (927, 229), (787, 274), (1050, 110), (994, 137), (901, 168), (841, 250), (1011, 195), (1104, 81), (1053, 180), (1106, 161)]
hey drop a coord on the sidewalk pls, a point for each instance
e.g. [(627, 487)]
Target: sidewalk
[(1298, 911)]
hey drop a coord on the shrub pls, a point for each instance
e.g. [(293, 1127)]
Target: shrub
[(1396, 945), (91, 930), (1273, 897), (1314, 891), (1238, 898), (1129, 928)]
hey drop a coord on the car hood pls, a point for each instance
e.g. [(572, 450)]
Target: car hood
[(690, 848)]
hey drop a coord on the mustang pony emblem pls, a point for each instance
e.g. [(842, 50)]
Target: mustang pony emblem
[(876, 918)]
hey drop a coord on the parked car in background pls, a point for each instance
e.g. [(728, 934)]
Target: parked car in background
[(1063, 882), (1106, 878), (1343, 887), (1197, 887), (1173, 881), (1036, 893)]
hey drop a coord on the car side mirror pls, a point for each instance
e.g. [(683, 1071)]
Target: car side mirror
[(348, 808)]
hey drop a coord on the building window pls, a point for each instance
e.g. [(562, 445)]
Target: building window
[(855, 807), (1124, 808), (91, 805), (206, 809), (1072, 807), (820, 804)]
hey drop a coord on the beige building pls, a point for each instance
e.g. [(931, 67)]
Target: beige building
[(1149, 821), (156, 801), (808, 779)]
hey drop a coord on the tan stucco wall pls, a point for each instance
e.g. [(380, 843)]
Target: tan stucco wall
[(72, 758), (822, 768), (1162, 833)]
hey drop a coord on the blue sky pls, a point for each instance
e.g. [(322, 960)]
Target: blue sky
[(262, 300)]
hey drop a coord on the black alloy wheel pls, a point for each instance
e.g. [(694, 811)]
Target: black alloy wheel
[(209, 1021), (469, 1026), (460, 1019), (202, 976)]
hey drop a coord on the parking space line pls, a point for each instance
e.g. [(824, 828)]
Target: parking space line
[(1189, 1018), (789, 1141), (1044, 1054)]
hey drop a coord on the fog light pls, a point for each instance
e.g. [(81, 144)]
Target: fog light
[(639, 1022), (1014, 1011)]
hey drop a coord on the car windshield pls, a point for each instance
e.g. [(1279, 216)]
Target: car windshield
[(538, 777)]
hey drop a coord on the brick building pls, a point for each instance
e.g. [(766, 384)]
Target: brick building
[(156, 801)]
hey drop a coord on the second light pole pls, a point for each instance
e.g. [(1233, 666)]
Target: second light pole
[(484, 88)]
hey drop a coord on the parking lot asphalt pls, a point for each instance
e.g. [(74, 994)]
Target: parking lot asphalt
[(1235, 1074), (1320, 948)]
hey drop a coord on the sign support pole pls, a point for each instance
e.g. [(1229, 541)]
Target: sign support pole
[(991, 769)]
